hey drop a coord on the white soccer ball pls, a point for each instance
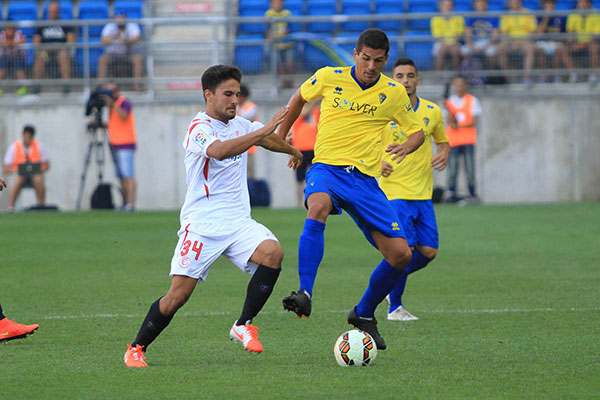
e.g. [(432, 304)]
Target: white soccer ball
[(354, 349)]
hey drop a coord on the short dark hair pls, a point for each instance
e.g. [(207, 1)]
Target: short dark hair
[(375, 39), (29, 129), (213, 76), (244, 90), (406, 61)]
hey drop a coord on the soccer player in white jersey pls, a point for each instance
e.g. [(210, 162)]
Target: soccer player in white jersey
[(215, 217)]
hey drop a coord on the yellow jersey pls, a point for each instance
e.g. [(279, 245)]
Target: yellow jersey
[(412, 179), (518, 26), (448, 29), (585, 25), (353, 117)]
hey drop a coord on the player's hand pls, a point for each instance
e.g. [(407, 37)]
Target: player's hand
[(386, 169), (276, 120), (398, 152), (295, 159), (2, 184), (439, 161)]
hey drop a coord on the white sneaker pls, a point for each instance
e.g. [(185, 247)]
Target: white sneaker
[(248, 335), (400, 314)]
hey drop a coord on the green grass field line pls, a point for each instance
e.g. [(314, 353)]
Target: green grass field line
[(510, 309)]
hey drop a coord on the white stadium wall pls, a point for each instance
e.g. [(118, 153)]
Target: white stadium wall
[(530, 150)]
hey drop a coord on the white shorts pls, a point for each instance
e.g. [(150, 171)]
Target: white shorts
[(200, 245), (548, 46)]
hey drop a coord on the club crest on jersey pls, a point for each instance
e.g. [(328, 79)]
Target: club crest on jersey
[(426, 120), (382, 98), (407, 107), (313, 79)]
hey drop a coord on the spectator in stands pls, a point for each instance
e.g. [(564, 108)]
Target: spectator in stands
[(587, 28), (121, 39), (448, 30), (553, 47), (303, 136), (12, 58), (481, 36), (58, 34), (249, 110), (464, 111), (518, 26), (277, 29), (27, 151)]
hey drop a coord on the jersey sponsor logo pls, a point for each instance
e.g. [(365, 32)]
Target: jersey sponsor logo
[(338, 90), (347, 105), (382, 98)]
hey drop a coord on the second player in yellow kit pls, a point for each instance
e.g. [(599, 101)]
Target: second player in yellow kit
[(409, 186)]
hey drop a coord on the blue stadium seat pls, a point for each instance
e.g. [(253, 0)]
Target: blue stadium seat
[(321, 8), (347, 41), (23, 11), (249, 56), (252, 8), (387, 7), (421, 6), (531, 4), (419, 51), (131, 9), (94, 52), (462, 6), (394, 51), (296, 7), (93, 10), (568, 4), (66, 9), (355, 7)]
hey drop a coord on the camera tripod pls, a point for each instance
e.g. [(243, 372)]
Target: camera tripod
[(97, 141)]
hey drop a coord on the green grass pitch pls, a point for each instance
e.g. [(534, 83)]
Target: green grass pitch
[(510, 309)]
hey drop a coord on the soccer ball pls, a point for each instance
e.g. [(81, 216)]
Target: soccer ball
[(354, 349)]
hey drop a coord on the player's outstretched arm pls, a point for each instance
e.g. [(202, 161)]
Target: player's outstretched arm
[(233, 147), (274, 143), (440, 159), (295, 105), (399, 151)]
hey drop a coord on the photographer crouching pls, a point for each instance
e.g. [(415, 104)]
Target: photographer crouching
[(122, 139)]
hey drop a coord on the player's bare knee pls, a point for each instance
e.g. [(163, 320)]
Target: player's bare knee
[(269, 253), (400, 258)]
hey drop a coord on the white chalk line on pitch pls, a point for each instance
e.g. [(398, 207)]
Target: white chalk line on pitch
[(218, 313)]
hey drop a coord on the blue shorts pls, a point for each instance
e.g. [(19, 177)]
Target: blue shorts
[(357, 194), (418, 221), (124, 162)]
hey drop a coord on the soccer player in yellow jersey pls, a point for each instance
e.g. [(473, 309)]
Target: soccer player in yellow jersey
[(357, 104), (409, 186)]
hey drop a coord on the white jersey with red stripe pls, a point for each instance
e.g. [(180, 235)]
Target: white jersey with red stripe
[(217, 191)]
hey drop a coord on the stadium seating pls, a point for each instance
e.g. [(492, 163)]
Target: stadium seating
[(321, 8), (296, 7), (347, 41), (531, 4), (386, 7), (131, 9), (253, 8), (23, 11), (355, 7), (249, 56), (93, 10), (394, 52), (419, 51), (94, 54), (565, 4), (66, 10), (421, 6)]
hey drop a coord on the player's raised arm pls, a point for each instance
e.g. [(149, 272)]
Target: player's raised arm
[(221, 150), (295, 105)]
